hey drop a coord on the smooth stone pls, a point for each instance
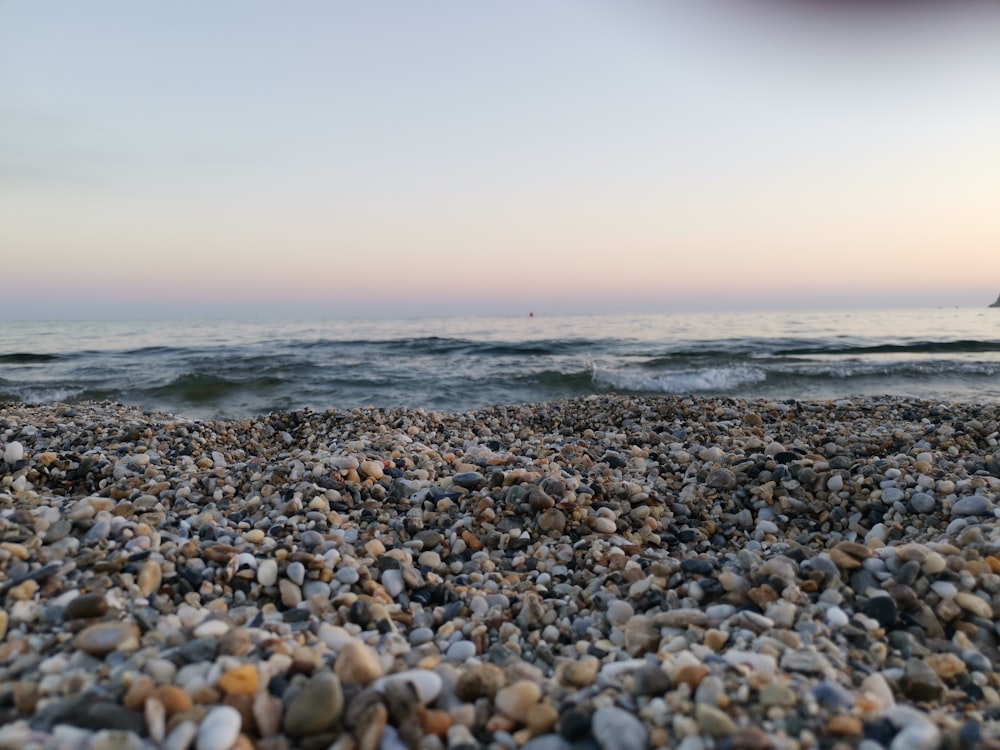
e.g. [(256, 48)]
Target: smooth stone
[(347, 575), (358, 663), (713, 721), (86, 606), (619, 612), (104, 637), (267, 572), (976, 505), (972, 603), (296, 573), (392, 582), (516, 699), (428, 684), (116, 739), (181, 736), (316, 708), (882, 609), (290, 593), (920, 682), (470, 480), (892, 495), (461, 651), (922, 502), (547, 742), (219, 729), (721, 479), (764, 663), (13, 453), (617, 729)]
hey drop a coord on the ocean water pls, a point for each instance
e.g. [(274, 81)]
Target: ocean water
[(216, 369)]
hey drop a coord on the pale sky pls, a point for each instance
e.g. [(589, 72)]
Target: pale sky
[(323, 157)]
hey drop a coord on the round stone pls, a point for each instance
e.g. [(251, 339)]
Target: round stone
[(316, 708), (617, 729), (219, 729)]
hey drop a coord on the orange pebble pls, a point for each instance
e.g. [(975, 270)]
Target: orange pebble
[(436, 721), (173, 698), (241, 680), (844, 725)]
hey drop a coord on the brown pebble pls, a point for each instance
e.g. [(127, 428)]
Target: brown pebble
[(86, 606), (173, 698), (542, 718), (137, 693), (691, 675), (844, 724), (104, 637)]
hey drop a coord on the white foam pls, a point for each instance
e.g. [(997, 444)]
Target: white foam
[(709, 379)]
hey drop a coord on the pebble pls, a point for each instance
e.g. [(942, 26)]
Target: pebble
[(316, 708), (976, 505), (104, 637), (13, 452), (617, 729), (219, 729), (358, 663)]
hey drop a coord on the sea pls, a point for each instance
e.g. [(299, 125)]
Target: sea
[(223, 369)]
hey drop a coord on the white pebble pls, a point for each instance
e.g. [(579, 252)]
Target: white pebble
[(220, 729), (211, 629), (427, 684), (13, 453), (836, 617), (392, 581), (267, 572)]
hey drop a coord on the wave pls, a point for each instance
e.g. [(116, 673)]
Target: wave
[(40, 395), (201, 387), (916, 347), (721, 379), (27, 358), (437, 345)]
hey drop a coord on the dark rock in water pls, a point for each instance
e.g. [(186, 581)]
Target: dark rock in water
[(997, 303)]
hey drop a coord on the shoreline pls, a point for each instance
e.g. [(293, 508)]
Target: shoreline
[(691, 572)]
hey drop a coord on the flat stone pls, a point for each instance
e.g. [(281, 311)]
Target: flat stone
[(470, 480), (104, 637), (975, 505), (86, 606), (316, 708)]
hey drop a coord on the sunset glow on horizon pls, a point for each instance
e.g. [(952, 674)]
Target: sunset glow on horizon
[(248, 158)]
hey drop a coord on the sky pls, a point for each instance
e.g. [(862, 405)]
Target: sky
[(322, 157)]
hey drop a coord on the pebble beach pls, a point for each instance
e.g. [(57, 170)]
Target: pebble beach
[(601, 573)]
